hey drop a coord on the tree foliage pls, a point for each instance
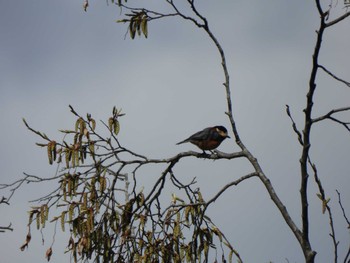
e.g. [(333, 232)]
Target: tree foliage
[(107, 221), (111, 219)]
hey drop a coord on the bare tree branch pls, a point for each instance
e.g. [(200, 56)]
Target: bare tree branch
[(342, 208), (337, 20), (325, 206), (234, 183), (334, 76), (330, 117), (3, 229), (346, 258), (4, 200), (304, 242), (308, 252), (134, 230), (345, 124), (177, 11), (330, 113), (295, 129)]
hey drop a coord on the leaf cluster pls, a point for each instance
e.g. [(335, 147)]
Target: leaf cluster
[(107, 222), (138, 23)]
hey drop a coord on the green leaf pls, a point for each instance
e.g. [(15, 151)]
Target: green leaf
[(116, 127), (144, 26), (132, 29)]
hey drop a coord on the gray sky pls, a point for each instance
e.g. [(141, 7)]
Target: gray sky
[(53, 54)]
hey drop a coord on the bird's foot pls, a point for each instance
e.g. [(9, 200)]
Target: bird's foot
[(204, 154)]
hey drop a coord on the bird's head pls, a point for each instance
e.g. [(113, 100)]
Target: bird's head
[(221, 130)]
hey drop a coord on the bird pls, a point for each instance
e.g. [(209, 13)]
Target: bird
[(208, 139)]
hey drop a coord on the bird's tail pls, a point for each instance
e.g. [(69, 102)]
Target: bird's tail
[(182, 142)]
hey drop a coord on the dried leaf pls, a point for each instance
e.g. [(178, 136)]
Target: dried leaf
[(138, 27), (93, 123), (41, 144), (144, 26), (324, 205), (86, 132), (132, 29), (230, 256), (48, 253), (49, 153), (116, 127), (23, 247), (38, 221), (92, 147), (71, 243), (26, 243), (110, 123), (85, 5), (103, 184), (81, 245), (217, 232), (63, 217)]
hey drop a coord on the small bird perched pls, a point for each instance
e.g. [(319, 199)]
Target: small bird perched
[(209, 138)]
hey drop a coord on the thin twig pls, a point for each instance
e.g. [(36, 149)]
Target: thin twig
[(334, 76), (6, 228), (325, 207), (342, 209), (337, 20), (234, 183), (330, 117), (295, 129)]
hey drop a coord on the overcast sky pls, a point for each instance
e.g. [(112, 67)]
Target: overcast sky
[(53, 54)]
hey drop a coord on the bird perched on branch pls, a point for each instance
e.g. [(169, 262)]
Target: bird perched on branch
[(209, 138)]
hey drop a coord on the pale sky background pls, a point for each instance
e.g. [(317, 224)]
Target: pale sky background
[(53, 54)]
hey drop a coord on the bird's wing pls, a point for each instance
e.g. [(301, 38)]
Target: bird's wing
[(198, 136)]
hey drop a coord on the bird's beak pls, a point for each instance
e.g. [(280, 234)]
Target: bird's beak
[(228, 136)]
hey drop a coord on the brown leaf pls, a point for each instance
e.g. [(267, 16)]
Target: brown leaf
[(25, 245), (28, 238), (85, 5), (82, 244), (48, 253), (71, 243)]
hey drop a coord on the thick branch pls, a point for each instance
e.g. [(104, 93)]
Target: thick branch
[(250, 156), (308, 252), (252, 159)]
